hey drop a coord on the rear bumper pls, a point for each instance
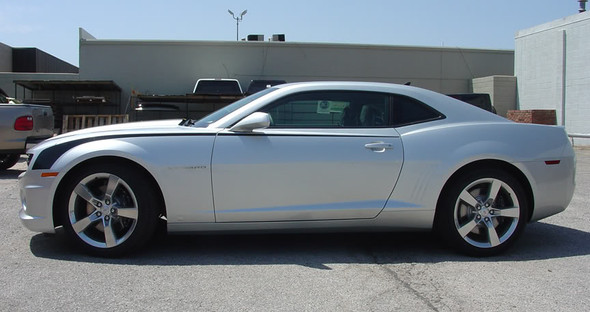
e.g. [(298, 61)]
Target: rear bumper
[(553, 185), (21, 145)]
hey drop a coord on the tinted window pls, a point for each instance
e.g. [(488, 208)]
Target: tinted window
[(216, 87), (330, 109), (407, 111)]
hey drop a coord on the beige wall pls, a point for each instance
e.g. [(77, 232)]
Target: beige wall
[(172, 67), (502, 91), (5, 58)]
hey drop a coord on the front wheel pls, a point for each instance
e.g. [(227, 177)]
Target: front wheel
[(483, 212), (108, 209)]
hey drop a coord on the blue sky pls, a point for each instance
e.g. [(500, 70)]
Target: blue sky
[(52, 25)]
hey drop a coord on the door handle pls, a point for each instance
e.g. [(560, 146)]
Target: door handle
[(378, 147)]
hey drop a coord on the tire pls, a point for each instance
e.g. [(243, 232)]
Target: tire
[(8, 160), (483, 212), (108, 210)]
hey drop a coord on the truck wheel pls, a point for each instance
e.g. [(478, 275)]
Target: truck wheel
[(8, 160), (108, 210)]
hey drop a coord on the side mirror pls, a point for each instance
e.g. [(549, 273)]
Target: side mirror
[(255, 121)]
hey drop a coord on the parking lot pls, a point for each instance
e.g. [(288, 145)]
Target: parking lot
[(547, 270)]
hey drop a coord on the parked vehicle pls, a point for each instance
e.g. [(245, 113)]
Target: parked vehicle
[(21, 126), (481, 100), (217, 87), (259, 85), (316, 156)]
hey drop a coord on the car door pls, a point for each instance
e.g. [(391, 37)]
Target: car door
[(326, 156)]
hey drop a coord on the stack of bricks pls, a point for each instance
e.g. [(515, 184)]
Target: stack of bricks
[(536, 116)]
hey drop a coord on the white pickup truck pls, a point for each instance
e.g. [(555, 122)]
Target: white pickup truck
[(21, 126)]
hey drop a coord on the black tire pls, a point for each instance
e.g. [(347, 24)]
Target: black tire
[(476, 222), (8, 160), (99, 197)]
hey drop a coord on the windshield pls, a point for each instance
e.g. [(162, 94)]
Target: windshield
[(222, 112)]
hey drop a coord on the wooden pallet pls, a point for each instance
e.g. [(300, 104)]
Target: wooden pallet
[(76, 122)]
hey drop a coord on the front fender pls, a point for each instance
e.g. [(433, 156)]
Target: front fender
[(180, 167)]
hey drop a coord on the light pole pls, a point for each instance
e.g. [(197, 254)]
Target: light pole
[(238, 20)]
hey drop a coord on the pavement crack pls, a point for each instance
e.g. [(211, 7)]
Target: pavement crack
[(406, 285)]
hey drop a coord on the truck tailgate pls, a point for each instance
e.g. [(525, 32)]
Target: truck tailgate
[(42, 121)]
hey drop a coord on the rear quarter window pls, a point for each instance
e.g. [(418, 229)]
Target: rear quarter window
[(408, 111)]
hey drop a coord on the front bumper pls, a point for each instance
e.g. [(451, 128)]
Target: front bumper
[(36, 199)]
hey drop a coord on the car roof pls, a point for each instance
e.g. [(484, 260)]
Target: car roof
[(453, 109)]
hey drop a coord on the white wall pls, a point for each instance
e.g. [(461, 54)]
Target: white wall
[(172, 67), (552, 65)]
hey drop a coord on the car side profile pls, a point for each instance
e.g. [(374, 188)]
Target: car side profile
[(314, 156)]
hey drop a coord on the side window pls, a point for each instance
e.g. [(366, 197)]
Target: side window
[(330, 109), (408, 111)]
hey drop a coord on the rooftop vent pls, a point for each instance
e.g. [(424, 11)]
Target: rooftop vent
[(278, 37), (255, 37)]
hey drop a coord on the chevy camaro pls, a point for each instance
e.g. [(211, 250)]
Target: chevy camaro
[(316, 156)]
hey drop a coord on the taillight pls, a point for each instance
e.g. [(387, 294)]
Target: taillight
[(24, 123)]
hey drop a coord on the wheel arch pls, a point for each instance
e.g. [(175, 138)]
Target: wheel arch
[(494, 164), (110, 159)]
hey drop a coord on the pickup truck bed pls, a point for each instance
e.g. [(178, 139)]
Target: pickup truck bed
[(22, 125)]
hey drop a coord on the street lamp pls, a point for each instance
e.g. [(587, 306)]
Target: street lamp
[(238, 20)]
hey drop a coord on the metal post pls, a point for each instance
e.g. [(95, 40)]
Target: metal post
[(563, 77)]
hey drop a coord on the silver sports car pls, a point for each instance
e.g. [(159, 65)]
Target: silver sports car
[(317, 156)]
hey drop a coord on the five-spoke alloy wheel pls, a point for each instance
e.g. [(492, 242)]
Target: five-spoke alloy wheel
[(108, 209), (483, 212)]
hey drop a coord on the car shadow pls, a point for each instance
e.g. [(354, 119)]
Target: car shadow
[(540, 241), (14, 171), (10, 174)]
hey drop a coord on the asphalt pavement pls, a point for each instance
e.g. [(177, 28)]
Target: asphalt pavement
[(547, 270)]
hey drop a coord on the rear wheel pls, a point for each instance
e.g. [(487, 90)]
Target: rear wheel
[(108, 209), (483, 212), (8, 160)]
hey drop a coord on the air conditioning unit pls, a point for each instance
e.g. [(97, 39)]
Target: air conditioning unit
[(278, 37), (255, 37)]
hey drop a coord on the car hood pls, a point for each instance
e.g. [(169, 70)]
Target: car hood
[(171, 126)]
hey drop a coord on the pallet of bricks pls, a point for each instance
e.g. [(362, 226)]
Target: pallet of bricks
[(76, 122)]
